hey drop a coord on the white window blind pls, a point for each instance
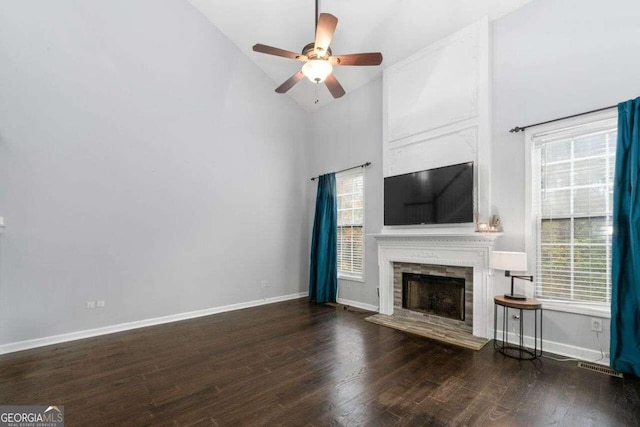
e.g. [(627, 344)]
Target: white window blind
[(350, 194), (573, 173)]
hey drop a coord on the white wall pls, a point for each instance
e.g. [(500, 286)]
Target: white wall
[(345, 133), (554, 58), (144, 161)]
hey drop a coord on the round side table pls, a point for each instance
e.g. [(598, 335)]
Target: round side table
[(517, 350)]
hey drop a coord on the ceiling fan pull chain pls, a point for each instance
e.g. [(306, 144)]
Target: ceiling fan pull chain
[(317, 99)]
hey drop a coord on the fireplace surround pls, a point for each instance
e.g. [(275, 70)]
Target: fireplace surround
[(464, 249)]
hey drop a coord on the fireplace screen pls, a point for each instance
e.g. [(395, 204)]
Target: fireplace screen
[(442, 296)]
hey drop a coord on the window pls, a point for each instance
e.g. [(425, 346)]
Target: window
[(350, 194), (572, 197)]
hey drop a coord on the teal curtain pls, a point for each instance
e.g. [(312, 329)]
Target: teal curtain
[(323, 275), (625, 268)]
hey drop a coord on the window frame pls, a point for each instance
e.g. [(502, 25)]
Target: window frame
[(347, 275), (576, 307)]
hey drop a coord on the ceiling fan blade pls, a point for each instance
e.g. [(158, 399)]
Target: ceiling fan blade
[(291, 81), (324, 32), (269, 50), (373, 58), (334, 86)]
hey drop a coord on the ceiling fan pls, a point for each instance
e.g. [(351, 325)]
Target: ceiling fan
[(318, 58)]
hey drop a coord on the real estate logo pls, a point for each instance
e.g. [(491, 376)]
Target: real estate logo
[(31, 416)]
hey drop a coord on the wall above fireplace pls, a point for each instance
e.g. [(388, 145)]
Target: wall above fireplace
[(431, 122)]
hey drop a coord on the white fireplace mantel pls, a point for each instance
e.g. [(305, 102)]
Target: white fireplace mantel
[(465, 249), (460, 236)]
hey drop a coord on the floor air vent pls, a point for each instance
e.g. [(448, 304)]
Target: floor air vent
[(599, 368)]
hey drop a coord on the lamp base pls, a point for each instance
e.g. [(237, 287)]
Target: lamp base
[(515, 296)]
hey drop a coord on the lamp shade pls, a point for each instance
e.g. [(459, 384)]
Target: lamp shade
[(509, 261)]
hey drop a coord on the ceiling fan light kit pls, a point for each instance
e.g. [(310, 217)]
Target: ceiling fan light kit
[(317, 70), (318, 58)]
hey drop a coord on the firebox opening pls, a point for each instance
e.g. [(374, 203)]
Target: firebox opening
[(442, 296)]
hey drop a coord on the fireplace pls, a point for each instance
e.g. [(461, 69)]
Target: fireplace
[(438, 295), (458, 255)]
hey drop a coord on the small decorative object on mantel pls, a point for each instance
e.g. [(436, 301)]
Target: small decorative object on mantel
[(493, 226), (480, 227)]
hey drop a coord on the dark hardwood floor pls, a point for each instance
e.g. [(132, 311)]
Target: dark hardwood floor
[(296, 363)]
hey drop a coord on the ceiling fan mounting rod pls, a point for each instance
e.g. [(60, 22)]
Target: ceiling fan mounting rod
[(314, 28)]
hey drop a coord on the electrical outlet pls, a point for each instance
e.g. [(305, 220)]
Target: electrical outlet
[(267, 283), (91, 304), (263, 284), (100, 304), (596, 324)]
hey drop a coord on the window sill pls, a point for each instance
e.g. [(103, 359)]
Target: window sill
[(351, 278), (584, 309)]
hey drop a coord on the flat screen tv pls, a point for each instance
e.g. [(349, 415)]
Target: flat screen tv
[(435, 196)]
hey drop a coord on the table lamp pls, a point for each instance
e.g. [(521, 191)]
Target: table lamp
[(511, 261)]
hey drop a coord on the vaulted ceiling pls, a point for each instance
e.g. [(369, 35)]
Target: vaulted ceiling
[(397, 28)]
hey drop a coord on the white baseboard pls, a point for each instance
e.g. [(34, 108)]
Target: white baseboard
[(357, 304), (72, 336), (565, 350)]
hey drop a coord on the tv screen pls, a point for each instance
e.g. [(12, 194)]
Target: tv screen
[(435, 196)]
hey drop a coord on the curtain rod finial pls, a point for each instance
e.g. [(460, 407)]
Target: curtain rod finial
[(516, 129)]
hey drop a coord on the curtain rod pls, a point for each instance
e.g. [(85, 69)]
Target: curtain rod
[(364, 165), (519, 128)]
